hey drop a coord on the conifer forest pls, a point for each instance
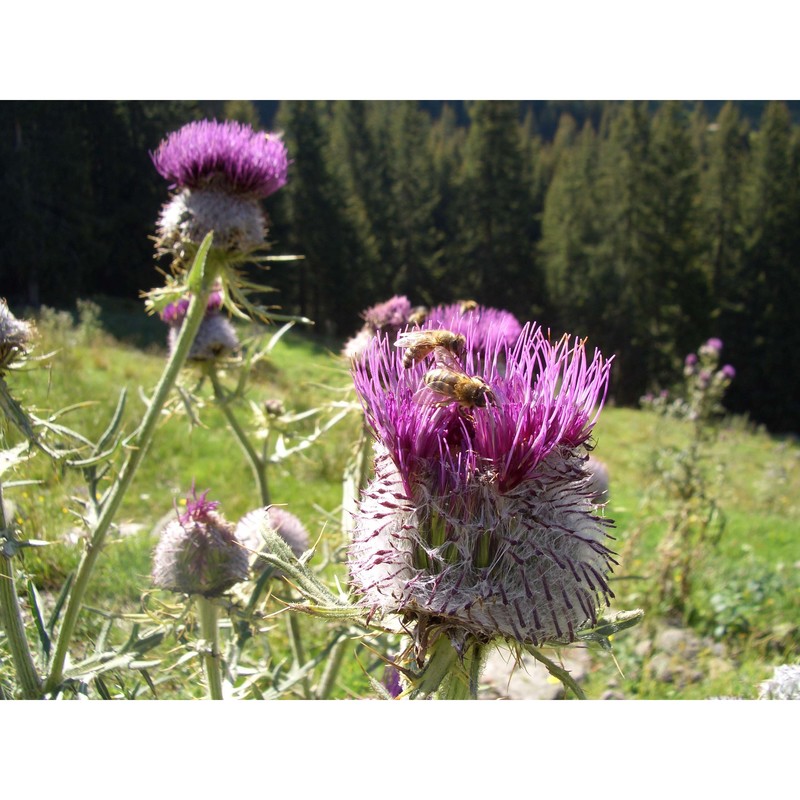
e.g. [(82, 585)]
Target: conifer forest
[(646, 227)]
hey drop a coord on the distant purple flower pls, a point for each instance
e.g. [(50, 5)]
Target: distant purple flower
[(388, 316), (690, 360), (485, 327), (174, 313), (729, 372), (226, 155), (714, 344), (481, 522)]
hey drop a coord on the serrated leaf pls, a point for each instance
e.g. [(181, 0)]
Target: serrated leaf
[(36, 608), (609, 625), (196, 280)]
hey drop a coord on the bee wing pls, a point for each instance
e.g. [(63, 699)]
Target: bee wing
[(407, 339), (444, 359)]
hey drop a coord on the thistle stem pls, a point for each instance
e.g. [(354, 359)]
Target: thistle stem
[(11, 621), (298, 654), (211, 655), (332, 665), (257, 464), (442, 660), (112, 502)]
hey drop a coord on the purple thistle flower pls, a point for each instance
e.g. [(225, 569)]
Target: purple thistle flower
[(386, 318), (483, 522), (690, 360), (198, 552), (485, 327), (714, 344), (390, 315), (226, 155), (729, 372)]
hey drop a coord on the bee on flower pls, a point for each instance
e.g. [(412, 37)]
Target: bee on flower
[(484, 525)]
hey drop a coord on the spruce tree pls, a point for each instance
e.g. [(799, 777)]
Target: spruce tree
[(496, 221), (766, 383)]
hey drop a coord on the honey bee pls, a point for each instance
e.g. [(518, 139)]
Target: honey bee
[(421, 343), (467, 305), (458, 387), (418, 315)]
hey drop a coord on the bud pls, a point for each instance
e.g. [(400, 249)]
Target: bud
[(281, 521), (198, 552)]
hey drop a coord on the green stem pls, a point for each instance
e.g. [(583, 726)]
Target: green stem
[(257, 464), (298, 654), (211, 656), (443, 658), (447, 676), (111, 504), (13, 625), (332, 666)]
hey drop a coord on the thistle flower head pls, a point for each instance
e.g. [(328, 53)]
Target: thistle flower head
[(481, 521), (487, 328), (278, 519), (216, 338), (220, 171), (15, 336), (386, 318), (223, 155), (198, 552)]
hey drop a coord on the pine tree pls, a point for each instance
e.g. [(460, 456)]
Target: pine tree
[(766, 383), (328, 286), (495, 241)]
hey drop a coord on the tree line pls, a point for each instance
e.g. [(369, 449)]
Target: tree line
[(646, 227)]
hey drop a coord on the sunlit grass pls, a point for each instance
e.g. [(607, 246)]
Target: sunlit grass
[(749, 585)]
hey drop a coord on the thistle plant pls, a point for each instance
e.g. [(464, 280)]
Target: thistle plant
[(480, 523), (198, 554), (688, 477), (210, 228)]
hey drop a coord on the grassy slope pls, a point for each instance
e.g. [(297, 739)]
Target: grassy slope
[(760, 487)]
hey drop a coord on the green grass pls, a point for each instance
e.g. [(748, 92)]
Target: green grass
[(748, 586)]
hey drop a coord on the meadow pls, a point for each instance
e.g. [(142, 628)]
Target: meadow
[(739, 622)]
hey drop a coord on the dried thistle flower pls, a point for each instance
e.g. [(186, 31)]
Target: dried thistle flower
[(15, 337)]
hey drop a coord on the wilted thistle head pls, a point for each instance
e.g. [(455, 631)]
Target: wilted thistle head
[(220, 171), (277, 519), (481, 522), (198, 552), (15, 337)]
